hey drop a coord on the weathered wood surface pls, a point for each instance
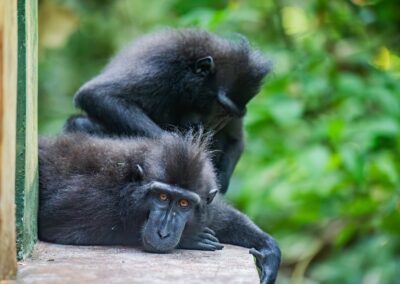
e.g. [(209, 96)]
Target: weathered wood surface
[(51, 263), (8, 96), (27, 170)]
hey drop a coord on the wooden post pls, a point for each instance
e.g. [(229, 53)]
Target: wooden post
[(26, 162), (8, 96)]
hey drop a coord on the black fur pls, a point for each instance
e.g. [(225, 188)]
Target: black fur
[(93, 191), (173, 79)]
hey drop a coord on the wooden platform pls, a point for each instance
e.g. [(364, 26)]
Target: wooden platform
[(51, 263)]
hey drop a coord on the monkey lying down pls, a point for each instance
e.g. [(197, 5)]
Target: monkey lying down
[(159, 194)]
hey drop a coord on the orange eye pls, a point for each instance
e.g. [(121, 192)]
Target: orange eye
[(163, 197), (183, 203)]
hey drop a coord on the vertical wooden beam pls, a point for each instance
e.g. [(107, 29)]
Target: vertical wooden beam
[(8, 97), (27, 169)]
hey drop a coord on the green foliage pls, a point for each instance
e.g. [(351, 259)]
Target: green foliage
[(321, 168)]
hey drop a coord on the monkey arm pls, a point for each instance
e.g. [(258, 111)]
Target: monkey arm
[(114, 112), (231, 143), (233, 227)]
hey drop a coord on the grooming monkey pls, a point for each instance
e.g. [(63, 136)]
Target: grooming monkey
[(176, 79)]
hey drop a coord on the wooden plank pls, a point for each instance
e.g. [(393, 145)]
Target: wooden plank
[(51, 263), (8, 96), (27, 170)]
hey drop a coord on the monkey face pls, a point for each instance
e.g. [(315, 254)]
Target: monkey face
[(179, 183), (220, 77), (196, 69), (219, 89), (170, 208)]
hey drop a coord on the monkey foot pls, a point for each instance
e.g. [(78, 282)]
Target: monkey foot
[(206, 240)]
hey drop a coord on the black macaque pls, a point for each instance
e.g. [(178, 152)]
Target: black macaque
[(176, 79), (159, 194)]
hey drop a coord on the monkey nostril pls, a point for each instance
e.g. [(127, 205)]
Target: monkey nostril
[(163, 235)]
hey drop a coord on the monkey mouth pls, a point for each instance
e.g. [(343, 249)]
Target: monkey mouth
[(229, 106)]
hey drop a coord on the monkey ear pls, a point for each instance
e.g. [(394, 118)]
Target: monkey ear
[(138, 173), (211, 194), (204, 65)]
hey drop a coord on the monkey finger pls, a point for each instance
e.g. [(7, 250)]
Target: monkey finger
[(209, 241), (208, 236), (217, 245), (204, 246), (208, 230), (256, 253)]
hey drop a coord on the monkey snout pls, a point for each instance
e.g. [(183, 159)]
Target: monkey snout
[(163, 235)]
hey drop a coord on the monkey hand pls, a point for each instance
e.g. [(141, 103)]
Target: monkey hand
[(267, 263), (206, 240)]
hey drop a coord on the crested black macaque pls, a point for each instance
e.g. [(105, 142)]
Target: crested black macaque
[(159, 194), (176, 79)]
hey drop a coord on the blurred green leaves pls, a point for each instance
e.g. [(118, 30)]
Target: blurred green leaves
[(294, 20), (321, 169)]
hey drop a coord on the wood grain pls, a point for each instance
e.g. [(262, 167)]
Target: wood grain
[(8, 96), (27, 169)]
